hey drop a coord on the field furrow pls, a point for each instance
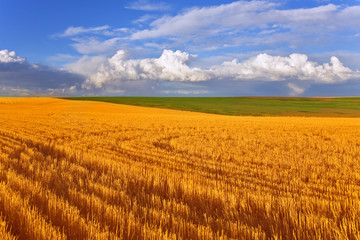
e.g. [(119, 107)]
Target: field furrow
[(88, 170)]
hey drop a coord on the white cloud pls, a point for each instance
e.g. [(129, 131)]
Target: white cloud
[(94, 46), (203, 20), (171, 66), (145, 5), (349, 15), (254, 23), (246, 24), (119, 72), (295, 69), (10, 57), (86, 65), (277, 68), (144, 19), (295, 90), (304, 16), (73, 31), (96, 40), (350, 59), (121, 30), (72, 88)]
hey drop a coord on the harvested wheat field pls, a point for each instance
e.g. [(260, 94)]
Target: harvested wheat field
[(92, 170)]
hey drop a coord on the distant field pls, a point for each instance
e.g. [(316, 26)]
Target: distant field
[(250, 106)]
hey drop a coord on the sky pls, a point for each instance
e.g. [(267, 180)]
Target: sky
[(180, 48)]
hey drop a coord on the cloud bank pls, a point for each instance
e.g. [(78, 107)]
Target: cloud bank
[(175, 66), (277, 68), (119, 74)]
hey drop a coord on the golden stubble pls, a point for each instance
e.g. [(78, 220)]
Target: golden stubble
[(92, 170)]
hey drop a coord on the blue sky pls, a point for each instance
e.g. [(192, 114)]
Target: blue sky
[(180, 48)]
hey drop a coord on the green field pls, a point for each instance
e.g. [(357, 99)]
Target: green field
[(247, 106)]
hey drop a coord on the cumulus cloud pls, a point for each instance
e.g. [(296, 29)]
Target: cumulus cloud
[(277, 68), (10, 57), (18, 77), (171, 66), (175, 66), (349, 59), (121, 74)]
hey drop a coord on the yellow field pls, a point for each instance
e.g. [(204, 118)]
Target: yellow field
[(91, 170)]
